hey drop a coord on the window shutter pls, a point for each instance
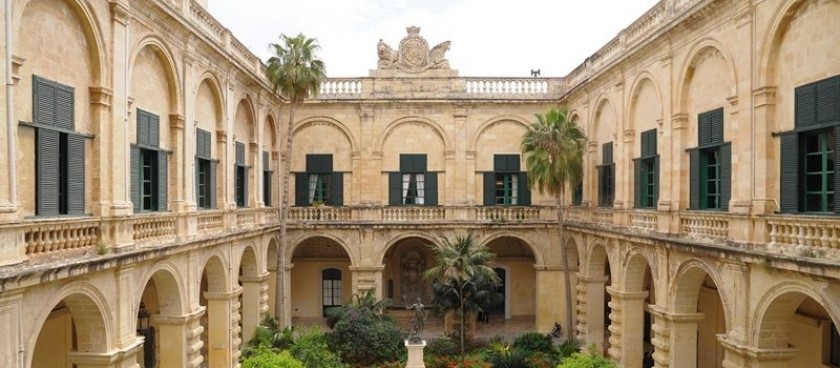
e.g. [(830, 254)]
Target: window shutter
[(162, 182), (208, 151), (245, 198), (489, 188), (431, 188), (805, 105), (394, 188), (524, 188), (212, 184), (704, 129), (637, 183), (154, 131), (75, 174), (43, 109), (240, 153), (47, 172), (607, 153), (694, 179), (828, 101), (601, 181), (506, 163), (336, 189), (142, 128), (197, 179), (301, 189), (611, 181), (266, 161), (836, 169), (413, 163), (716, 126), (135, 177), (789, 172), (199, 143), (656, 181), (725, 175), (64, 107)]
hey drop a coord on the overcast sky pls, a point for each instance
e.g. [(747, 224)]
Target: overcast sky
[(489, 37)]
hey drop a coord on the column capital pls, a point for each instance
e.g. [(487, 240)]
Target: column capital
[(759, 354), (106, 359), (223, 295), (254, 279), (179, 320), (592, 279), (626, 295), (378, 268)]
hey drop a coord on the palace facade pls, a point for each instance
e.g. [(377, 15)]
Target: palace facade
[(140, 182)]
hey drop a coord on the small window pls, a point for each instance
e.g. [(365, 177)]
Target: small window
[(710, 193), (413, 188), (507, 189), (241, 187), (148, 180), (319, 188), (817, 179), (203, 184), (331, 294)]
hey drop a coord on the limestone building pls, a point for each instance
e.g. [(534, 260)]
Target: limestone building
[(139, 186)]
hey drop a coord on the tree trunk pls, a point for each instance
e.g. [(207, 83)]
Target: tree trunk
[(280, 297), (558, 199), (463, 328)]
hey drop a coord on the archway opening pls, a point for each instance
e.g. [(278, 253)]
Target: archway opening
[(214, 298), (249, 299), (797, 322), (698, 301), (311, 294), (637, 346), (75, 325), (515, 258), (161, 298)]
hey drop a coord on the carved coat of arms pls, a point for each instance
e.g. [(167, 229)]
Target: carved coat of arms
[(413, 55)]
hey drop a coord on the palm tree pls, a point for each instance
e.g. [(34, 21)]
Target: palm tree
[(463, 282), (553, 150), (296, 72)]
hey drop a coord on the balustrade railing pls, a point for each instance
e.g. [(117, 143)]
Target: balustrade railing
[(805, 235), (602, 216), (340, 87), (406, 214), (576, 214), (202, 18), (503, 214), (320, 214), (271, 215), (210, 221), (699, 224), (646, 220), (154, 229), (246, 218), (507, 86), (53, 236)]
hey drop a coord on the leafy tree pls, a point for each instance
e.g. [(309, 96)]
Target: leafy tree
[(463, 281), (296, 73), (553, 149), (362, 338), (312, 348)]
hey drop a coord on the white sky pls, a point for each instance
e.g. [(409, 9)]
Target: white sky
[(494, 38)]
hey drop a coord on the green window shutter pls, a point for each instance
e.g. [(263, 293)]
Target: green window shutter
[(154, 131), (805, 111), (611, 180), (607, 153), (301, 189), (43, 106), (489, 188), (413, 163), (212, 183), (637, 183), (725, 175), (656, 181), (197, 179), (789, 172), (716, 126), (836, 169), (430, 188), (828, 101), (704, 129), (75, 174), (602, 192), (506, 163), (336, 189), (649, 143), (199, 143), (524, 189), (694, 179), (208, 151), (47, 172), (394, 188), (162, 182), (240, 153), (319, 164), (64, 107), (135, 177)]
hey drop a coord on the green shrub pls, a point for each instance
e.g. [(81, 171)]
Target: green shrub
[(590, 359), (510, 357), (263, 357), (534, 342), (442, 346), (312, 348), (363, 338), (269, 335), (568, 348)]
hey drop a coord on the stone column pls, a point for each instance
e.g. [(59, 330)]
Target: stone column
[(179, 340), (738, 356), (661, 337), (219, 317), (591, 310), (177, 177), (122, 358), (252, 303), (368, 278), (632, 325), (683, 338), (287, 281), (11, 342), (550, 303)]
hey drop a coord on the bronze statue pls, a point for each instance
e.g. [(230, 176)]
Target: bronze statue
[(419, 321)]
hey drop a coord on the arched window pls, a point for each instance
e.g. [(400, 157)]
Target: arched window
[(331, 288)]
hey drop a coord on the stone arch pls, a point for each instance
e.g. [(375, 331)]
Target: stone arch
[(91, 29), (473, 142), (572, 252), (354, 145), (447, 141), (170, 287), (217, 278), (634, 267), (270, 127), (163, 53), (687, 282), (779, 304), (246, 106), (308, 296), (699, 49), (406, 235), (295, 243), (538, 257), (603, 104), (271, 252), (92, 318), (249, 261), (642, 79), (216, 90), (598, 259)]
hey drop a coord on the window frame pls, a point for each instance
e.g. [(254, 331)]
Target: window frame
[(705, 181), (322, 190), (827, 154), (148, 160), (509, 189)]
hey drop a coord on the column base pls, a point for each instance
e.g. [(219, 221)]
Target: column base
[(415, 354)]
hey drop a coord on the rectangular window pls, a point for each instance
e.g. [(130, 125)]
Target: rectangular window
[(148, 179), (606, 176), (148, 165), (320, 184), (413, 184), (267, 174), (647, 172), (413, 188), (710, 164), (507, 189), (205, 171), (710, 191), (241, 175), (817, 180), (203, 183), (319, 189), (506, 185), (577, 194)]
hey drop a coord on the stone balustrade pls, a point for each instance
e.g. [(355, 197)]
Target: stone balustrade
[(704, 224), (507, 86), (322, 213), (340, 87), (270, 215), (210, 221), (153, 230), (504, 213), (576, 214), (603, 216), (412, 214), (809, 236), (646, 220), (44, 237), (246, 218)]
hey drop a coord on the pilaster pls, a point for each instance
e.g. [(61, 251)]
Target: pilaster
[(180, 339), (253, 305), (121, 358), (117, 168), (591, 294), (11, 340)]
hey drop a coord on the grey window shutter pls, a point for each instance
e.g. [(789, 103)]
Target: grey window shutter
[(431, 188), (245, 199), (135, 177), (524, 188), (142, 128), (301, 189), (489, 188), (836, 169), (601, 191), (805, 112), (725, 175), (240, 153), (199, 144), (197, 180), (653, 149), (64, 107), (75, 174), (413, 163), (704, 129), (211, 183), (506, 163), (162, 182), (656, 181), (716, 126), (607, 153), (611, 180), (694, 179), (154, 131), (319, 164), (828, 101), (47, 172), (637, 183), (395, 188), (336, 189), (789, 172), (266, 161), (43, 107)]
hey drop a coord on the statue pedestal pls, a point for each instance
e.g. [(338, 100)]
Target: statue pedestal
[(415, 354)]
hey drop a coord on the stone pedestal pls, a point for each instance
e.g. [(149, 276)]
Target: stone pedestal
[(415, 354)]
